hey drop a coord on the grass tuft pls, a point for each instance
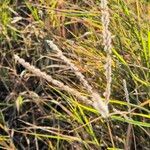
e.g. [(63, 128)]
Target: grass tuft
[(38, 114)]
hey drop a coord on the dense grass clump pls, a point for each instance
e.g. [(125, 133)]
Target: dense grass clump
[(36, 114)]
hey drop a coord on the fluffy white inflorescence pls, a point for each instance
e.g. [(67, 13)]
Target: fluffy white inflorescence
[(48, 78), (97, 101), (99, 105), (80, 76), (107, 43)]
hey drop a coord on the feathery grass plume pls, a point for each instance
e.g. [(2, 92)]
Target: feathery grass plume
[(99, 105), (96, 101), (48, 78), (71, 65), (107, 46)]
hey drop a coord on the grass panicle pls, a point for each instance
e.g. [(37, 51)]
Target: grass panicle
[(96, 100), (107, 43)]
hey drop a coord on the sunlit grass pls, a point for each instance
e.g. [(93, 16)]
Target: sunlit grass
[(37, 115)]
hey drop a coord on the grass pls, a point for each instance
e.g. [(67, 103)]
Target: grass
[(34, 114)]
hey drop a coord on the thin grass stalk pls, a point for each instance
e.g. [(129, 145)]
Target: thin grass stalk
[(129, 136)]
